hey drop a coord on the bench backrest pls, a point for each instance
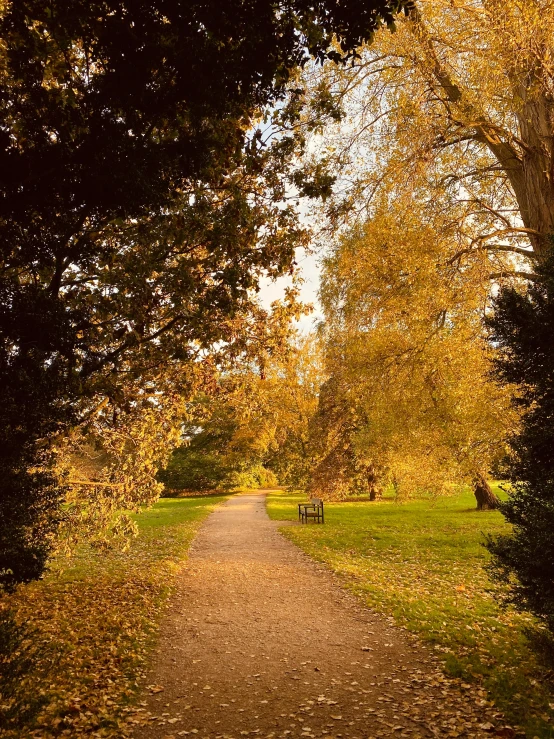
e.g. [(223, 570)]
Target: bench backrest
[(317, 502)]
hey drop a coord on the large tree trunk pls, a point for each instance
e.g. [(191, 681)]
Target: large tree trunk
[(486, 499), (535, 122)]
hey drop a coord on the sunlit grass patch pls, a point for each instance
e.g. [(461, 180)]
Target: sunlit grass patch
[(99, 615), (422, 562)]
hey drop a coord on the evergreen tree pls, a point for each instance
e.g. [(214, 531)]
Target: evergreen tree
[(523, 328)]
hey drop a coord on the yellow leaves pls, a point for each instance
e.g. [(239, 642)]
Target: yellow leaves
[(405, 345), (98, 613), (437, 117), (264, 420), (112, 465), (424, 565)]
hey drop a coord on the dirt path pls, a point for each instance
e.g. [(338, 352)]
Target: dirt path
[(261, 641)]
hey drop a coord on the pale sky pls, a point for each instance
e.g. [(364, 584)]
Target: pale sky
[(309, 268)]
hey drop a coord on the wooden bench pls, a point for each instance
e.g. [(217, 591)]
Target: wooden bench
[(311, 511)]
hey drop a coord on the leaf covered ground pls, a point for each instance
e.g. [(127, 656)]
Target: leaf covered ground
[(95, 620), (422, 563), (261, 642)]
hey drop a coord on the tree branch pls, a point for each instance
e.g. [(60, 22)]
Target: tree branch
[(485, 132), (516, 273), (493, 248)]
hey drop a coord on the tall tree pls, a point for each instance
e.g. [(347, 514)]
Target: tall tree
[(138, 205), (458, 100), (523, 327), (462, 127), (409, 358)]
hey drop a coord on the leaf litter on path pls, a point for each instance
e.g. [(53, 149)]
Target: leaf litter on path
[(260, 637)]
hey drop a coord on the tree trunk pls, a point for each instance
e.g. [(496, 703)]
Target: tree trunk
[(535, 123), (486, 499), (529, 166), (375, 491)]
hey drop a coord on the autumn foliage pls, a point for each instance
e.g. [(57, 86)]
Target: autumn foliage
[(157, 160)]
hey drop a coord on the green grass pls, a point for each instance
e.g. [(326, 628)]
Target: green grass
[(423, 563), (98, 615)]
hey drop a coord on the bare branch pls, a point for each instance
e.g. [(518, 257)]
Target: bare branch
[(516, 273), (494, 248)]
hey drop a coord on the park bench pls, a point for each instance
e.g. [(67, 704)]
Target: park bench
[(311, 511)]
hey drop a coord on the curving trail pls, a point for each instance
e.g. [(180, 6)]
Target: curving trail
[(261, 641)]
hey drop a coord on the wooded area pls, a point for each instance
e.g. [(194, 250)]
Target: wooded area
[(162, 160)]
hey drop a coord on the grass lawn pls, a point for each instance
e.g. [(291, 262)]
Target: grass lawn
[(97, 617), (422, 563)]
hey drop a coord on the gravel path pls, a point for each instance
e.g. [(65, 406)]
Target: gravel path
[(260, 641)]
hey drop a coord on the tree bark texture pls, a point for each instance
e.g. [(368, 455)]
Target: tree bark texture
[(536, 126)]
